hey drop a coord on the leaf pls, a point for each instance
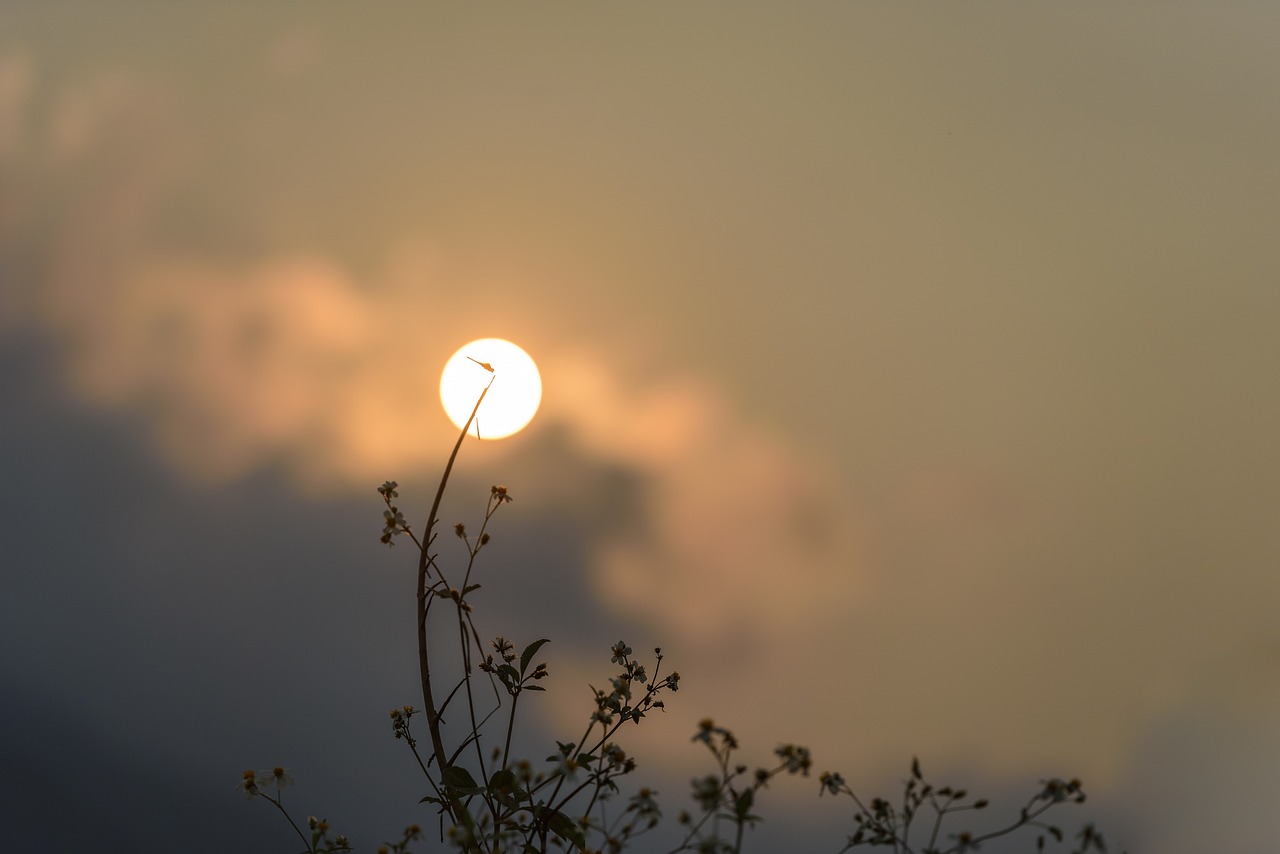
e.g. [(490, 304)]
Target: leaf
[(563, 826), (504, 788), (915, 768), (502, 779), (432, 799), (529, 652), (457, 777), (469, 588), (508, 674), (742, 806)]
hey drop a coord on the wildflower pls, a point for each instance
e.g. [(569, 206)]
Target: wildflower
[(394, 523), (279, 776), (400, 724), (706, 792), (796, 758), (644, 804), (462, 837), (249, 784), (614, 755), (500, 493), (460, 529), (504, 648), (831, 782), (568, 766), (620, 652), (388, 490)]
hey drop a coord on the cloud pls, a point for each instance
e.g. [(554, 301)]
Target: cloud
[(1211, 756), (743, 534), (290, 360), (955, 609)]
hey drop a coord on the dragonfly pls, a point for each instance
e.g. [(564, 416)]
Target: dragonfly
[(488, 367)]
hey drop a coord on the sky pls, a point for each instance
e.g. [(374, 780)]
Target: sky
[(909, 378)]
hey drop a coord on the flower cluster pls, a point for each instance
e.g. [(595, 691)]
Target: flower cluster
[(393, 520), (412, 833), (512, 678), (320, 841), (645, 806), (254, 782), (832, 783), (618, 700), (616, 759), (400, 723), (795, 758), (1057, 791), (709, 734), (248, 784), (492, 801)]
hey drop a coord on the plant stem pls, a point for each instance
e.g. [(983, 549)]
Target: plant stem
[(424, 559)]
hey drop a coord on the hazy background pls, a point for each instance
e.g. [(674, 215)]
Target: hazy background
[(910, 378)]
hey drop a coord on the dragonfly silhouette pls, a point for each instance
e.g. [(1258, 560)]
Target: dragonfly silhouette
[(488, 367)]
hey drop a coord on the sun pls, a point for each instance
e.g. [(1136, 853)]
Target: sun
[(513, 398)]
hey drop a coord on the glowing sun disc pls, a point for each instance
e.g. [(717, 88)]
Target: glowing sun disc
[(511, 402)]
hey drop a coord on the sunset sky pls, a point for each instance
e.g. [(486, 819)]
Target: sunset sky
[(909, 376)]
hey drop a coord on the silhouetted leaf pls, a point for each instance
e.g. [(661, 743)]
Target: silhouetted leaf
[(457, 777), (563, 826), (529, 652)]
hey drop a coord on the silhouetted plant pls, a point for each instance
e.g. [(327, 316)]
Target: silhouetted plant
[(487, 801), (881, 823)]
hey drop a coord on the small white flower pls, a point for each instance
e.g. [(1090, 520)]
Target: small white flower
[(277, 776), (248, 784)]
